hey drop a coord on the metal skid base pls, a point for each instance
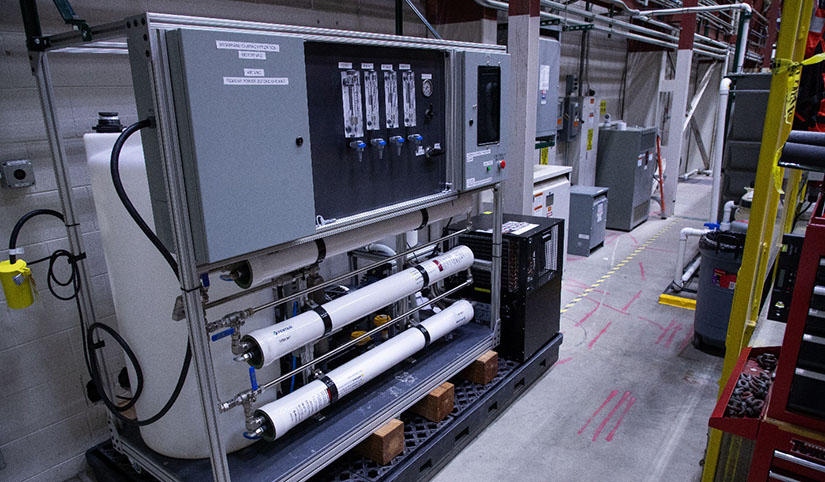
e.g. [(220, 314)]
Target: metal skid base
[(429, 445), (320, 440)]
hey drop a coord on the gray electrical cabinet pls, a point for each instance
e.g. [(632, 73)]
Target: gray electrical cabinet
[(588, 219), (626, 162), (548, 90), (281, 136), (238, 133), (485, 122)]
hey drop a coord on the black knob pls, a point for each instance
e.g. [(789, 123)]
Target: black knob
[(299, 141), (431, 152)]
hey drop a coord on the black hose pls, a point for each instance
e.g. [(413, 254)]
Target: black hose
[(19, 225), (114, 408), (167, 255), (127, 203)]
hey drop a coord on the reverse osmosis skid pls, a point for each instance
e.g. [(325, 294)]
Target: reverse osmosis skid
[(262, 151)]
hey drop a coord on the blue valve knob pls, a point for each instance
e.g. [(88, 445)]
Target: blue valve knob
[(253, 380), (359, 147), (713, 226), (223, 334), (379, 144), (398, 142), (416, 139)]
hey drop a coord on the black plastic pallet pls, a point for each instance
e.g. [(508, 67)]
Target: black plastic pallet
[(430, 445)]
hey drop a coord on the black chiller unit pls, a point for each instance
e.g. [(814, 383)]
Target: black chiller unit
[(531, 269)]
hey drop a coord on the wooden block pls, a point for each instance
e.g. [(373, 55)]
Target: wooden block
[(384, 444), (437, 404), (483, 369)]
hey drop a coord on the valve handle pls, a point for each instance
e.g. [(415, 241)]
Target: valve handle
[(223, 334), (253, 379)]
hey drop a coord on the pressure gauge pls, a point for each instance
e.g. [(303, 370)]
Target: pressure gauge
[(427, 87)]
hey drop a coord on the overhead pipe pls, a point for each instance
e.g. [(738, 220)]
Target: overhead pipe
[(747, 9), (664, 40), (743, 29), (259, 269), (630, 26), (267, 345), (718, 148), (278, 417)]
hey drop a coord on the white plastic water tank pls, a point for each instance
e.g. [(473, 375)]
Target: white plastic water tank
[(144, 291)]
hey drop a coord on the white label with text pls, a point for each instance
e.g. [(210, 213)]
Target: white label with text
[(255, 81), (230, 45), (243, 54)]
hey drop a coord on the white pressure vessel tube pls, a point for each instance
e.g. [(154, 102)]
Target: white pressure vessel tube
[(259, 269), (285, 413), (269, 344)]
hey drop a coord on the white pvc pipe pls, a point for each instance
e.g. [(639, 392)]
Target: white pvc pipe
[(730, 206), (718, 148), (684, 234), (691, 269), (283, 414), (380, 249), (269, 344), (268, 266), (698, 9)]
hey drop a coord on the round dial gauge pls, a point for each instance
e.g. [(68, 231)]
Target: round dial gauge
[(427, 87)]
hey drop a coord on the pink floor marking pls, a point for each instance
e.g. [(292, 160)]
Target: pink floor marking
[(621, 417), (609, 397), (609, 416)]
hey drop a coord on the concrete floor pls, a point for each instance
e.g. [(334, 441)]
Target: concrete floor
[(630, 397)]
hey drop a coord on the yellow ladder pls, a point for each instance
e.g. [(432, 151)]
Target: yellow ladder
[(790, 50)]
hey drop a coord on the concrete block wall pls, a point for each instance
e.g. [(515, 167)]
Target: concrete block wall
[(46, 423)]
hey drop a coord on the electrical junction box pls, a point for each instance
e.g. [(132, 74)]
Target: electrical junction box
[(571, 119), (547, 113), (283, 135), (16, 173)]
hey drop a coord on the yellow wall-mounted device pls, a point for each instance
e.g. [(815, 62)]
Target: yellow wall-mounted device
[(17, 284)]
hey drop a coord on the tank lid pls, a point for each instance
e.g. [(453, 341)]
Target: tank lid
[(108, 122)]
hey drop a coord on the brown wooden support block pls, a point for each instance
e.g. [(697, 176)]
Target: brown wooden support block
[(384, 444), (437, 404), (483, 369)]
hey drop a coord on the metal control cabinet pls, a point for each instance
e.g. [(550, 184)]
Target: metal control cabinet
[(588, 219), (485, 123), (625, 165), (548, 90), (286, 135), (239, 132)]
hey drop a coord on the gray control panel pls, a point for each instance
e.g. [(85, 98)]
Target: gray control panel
[(281, 135), (485, 123), (244, 133)]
